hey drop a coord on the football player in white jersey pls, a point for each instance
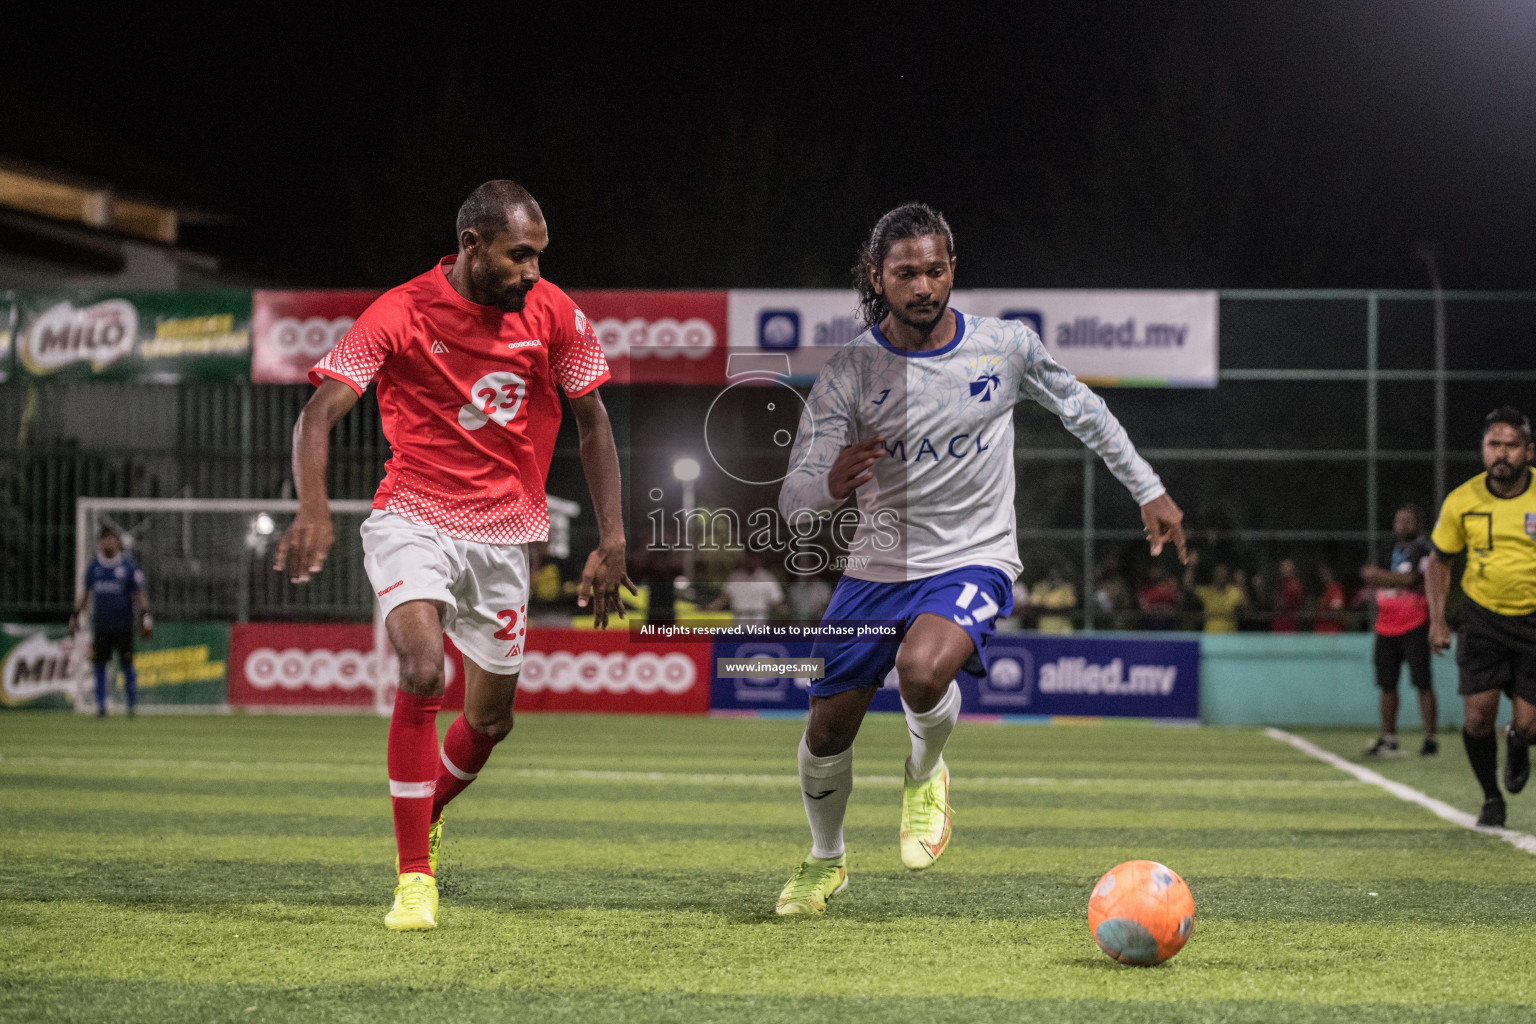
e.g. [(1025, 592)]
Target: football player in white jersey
[(915, 418)]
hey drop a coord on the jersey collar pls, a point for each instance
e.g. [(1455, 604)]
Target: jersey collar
[(925, 353), (1530, 476)]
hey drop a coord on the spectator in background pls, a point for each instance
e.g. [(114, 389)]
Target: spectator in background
[(1049, 598), (1402, 630), (752, 592), (1111, 597), (1254, 617), (1290, 598), (1220, 599), (1158, 599), (1331, 602)]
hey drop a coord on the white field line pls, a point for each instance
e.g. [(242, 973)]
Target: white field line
[(690, 778), (1439, 808)]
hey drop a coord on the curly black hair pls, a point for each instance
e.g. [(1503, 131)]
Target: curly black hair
[(909, 220)]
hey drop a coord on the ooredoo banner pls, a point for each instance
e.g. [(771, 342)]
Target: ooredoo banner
[(292, 330), (333, 666), (659, 337), (607, 670), (647, 337), (329, 665)]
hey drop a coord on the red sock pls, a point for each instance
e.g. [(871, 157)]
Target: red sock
[(412, 760), (464, 754)]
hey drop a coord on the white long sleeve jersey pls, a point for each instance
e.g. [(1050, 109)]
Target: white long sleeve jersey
[(942, 492)]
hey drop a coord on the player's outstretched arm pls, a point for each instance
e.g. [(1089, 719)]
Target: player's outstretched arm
[(302, 550), (1052, 386), (605, 570)]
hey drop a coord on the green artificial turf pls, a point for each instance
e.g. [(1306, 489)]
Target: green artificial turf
[(624, 869)]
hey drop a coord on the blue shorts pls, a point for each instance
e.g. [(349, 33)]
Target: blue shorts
[(971, 597)]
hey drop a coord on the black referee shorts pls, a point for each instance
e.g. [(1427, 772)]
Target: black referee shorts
[(1496, 652), (1411, 647), (105, 641)]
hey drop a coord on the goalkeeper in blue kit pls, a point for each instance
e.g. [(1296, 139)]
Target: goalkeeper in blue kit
[(114, 590)]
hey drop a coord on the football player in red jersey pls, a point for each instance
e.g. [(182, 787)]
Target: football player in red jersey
[(470, 359)]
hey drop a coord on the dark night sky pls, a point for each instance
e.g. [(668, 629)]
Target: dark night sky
[(1084, 144)]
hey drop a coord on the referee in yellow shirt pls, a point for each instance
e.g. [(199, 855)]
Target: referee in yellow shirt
[(1492, 517)]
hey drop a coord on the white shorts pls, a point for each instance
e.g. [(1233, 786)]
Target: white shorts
[(482, 589)]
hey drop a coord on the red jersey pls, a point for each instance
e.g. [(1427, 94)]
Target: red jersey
[(469, 403), (1399, 610)]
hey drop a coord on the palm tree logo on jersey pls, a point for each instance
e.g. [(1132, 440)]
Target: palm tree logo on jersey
[(987, 382)]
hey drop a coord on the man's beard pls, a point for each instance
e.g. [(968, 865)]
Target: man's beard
[(925, 326), (1502, 470), (508, 299)]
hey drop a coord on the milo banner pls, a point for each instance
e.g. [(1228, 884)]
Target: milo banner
[(182, 664), (156, 337)]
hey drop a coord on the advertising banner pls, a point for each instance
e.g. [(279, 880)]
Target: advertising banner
[(291, 330), (320, 665), (609, 671), (182, 664), (659, 337), (332, 666), (1116, 339), (1106, 338), (156, 337), (647, 337), (1090, 675), (806, 325), (1030, 676)]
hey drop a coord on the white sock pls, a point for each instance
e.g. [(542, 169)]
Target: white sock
[(825, 783), (930, 731)]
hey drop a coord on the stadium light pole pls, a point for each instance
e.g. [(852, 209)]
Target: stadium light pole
[(1428, 252), (686, 470)]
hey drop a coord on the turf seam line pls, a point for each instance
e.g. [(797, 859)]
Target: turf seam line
[(1439, 808)]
